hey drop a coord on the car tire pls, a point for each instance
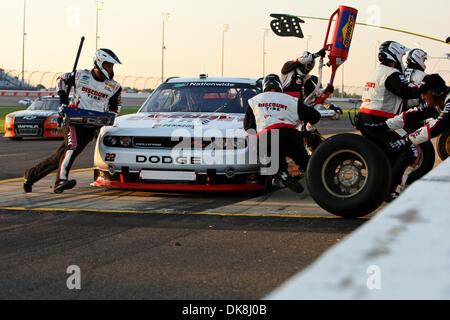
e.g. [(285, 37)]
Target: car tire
[(349, 176), (426, 162), (15, 138), (443, 145), (337, 116)]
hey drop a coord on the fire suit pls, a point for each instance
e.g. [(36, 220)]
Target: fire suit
[(90, 93), (383, 98), (268, 111)]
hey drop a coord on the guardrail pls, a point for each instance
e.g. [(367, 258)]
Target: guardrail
[(401, 253), (25, 93), (30, 93)]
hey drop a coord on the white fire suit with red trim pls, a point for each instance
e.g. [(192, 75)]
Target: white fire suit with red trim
[(89, 93)]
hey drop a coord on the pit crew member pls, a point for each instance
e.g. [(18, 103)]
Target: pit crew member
[(93, 90), (295, 73), (383, 99), (273, 110)]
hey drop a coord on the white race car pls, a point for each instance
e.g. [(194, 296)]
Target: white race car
[(326, 113), (25, 102), (188, 135)]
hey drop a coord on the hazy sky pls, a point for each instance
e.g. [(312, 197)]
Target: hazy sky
[(133, 29)]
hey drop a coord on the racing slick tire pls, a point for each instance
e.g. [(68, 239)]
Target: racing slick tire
[(443, 145), (426, 162), (349, 176)]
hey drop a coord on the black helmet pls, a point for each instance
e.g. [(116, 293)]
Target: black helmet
[(436, 84), (272, 82), (392, 51)]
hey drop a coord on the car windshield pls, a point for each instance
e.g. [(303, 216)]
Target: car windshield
[(44, 104), (227, 97)]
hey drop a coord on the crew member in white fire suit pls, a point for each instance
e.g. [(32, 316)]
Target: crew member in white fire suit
[(415, 72), (383, 98), (93, 90), (435, 93), (272, 111), (295, 73)]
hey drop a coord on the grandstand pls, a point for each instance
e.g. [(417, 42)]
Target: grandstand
[(9, 82)]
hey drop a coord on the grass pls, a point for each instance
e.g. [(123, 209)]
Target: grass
[(5, 110), (349, 111)]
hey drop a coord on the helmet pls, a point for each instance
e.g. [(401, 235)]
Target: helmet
[(306, 61), (436, 84), (391, 51), (102, 56), (272, 82), (416, 59)]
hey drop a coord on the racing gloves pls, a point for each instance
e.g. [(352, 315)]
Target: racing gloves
[(337, 109), (63, 97), (329, 89), (321, 53), (60, 119)]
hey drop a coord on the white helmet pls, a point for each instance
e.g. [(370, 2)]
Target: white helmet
[(306, 61), (416, 59), (392, 51), (105, 55)]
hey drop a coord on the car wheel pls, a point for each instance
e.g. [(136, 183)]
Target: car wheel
[(337, 116), (349, 176), (426, 162), (15, 138), (443, 145)]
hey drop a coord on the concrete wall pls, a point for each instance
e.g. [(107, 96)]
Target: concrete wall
[(401, 253)]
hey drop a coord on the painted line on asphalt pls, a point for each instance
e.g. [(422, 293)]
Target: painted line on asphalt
[(12, 154), (223, 214), (50, 175)]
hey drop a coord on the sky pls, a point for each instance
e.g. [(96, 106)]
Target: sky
[(193, 35)]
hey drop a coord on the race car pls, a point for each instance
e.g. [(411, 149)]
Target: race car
[(25, 102), (38, 120), (326, 113), (188, 135)]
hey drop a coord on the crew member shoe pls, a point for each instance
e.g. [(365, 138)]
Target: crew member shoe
[(277, 183), (27, 186), (62, 185), (290, 182), (392, 196)]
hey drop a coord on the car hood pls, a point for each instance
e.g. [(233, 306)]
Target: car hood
[(165, 124), (35, 113)]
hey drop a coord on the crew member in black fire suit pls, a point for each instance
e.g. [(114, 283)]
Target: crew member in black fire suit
[(93, 90)]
